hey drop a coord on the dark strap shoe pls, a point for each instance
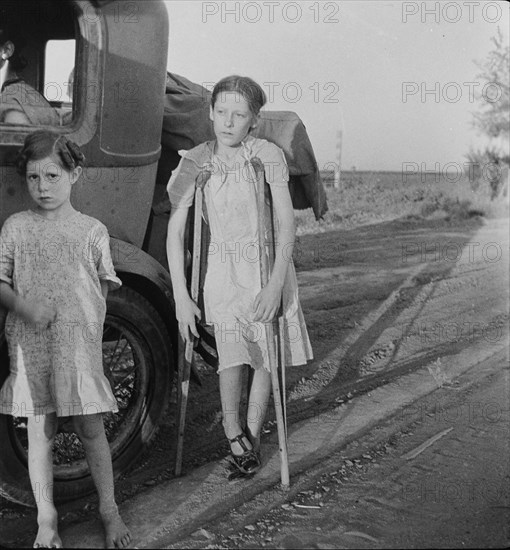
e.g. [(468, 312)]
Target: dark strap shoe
[(249, 462)]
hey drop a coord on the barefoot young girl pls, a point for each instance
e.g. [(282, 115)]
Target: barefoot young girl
[(55, 271), (234, 302)]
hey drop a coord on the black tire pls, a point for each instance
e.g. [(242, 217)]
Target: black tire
[(137, 358)]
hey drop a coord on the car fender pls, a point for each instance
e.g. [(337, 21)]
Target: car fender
[(143, 273)]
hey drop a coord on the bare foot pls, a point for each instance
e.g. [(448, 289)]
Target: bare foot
[(117, 535), (47, 535)]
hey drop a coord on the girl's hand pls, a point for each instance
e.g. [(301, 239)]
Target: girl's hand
[(267, 303), (35, 312), (187, 312)]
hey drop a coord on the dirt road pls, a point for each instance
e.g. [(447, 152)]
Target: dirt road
[(384, 300), (379, 301)]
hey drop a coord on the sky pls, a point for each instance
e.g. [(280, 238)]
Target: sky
[(376, 83)]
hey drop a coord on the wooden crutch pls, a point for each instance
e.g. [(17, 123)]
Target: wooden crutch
[(258, 168), (280, 342), (185, 360)]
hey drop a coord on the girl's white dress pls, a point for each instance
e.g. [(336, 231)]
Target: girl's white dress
[(233, 280), (59, 367)]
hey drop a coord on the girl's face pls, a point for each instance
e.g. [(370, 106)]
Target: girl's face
[(50, 186), (232, 118)]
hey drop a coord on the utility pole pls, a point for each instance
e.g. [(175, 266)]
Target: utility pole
[(336, 181)]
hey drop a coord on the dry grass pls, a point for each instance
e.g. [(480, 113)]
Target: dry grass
[(371, 197)]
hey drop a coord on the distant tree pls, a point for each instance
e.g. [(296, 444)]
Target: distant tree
[(493, 117)]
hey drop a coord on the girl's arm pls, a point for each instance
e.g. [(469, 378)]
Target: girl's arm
[(267, 302), (32, 311), (185, 309)]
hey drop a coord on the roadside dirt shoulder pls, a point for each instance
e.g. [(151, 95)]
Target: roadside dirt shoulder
[(434, 475)]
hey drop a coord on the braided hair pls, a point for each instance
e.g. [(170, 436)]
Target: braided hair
[(243, 85), (46, 143)]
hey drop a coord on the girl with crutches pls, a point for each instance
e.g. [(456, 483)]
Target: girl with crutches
[(236, 302)]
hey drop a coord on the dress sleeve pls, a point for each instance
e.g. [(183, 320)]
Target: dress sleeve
[(104, 263), (275, 166), (180, 188), (7, 250)]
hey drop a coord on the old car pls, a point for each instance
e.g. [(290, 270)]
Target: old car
[(129, 117)]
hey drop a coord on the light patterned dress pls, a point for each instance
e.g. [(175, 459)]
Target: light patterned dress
[(233, 279), (59, 367)]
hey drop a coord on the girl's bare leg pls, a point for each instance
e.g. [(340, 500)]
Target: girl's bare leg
[(41, 433), (257, 405), (90, 430), (231, 380)]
